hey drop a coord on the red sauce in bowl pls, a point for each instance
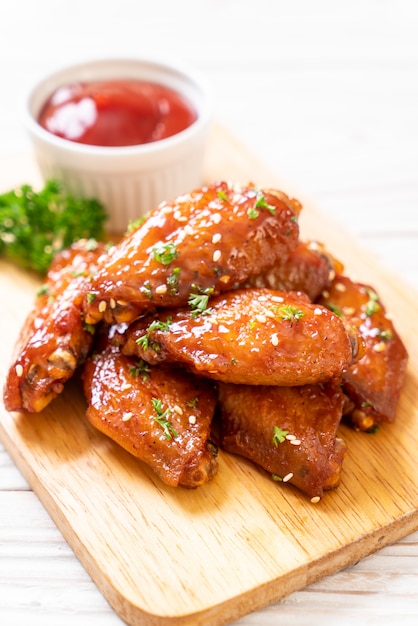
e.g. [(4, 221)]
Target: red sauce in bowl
[(116, 113)]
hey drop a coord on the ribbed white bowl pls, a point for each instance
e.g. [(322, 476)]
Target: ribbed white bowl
[(128, 180)]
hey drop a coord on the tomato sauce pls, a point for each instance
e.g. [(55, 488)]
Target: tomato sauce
[(116, 113)]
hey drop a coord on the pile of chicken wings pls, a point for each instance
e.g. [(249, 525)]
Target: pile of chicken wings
[(212, 325)]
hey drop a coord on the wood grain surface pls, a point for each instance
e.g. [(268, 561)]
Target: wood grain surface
[(166, 556)]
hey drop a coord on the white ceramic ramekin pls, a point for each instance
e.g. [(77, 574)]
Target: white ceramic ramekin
[(129, 180)]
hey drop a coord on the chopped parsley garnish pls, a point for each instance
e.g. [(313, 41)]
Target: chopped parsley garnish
[(141, 368), (279, 435), (173, 282), (161, 419), (145, 341), (261, 203), (147, 290), (165, 253), (193, 402), (43, 291), (134, 224), (222, 195), (385, 335), (199, 301), (91, 297), (89, 328), (289, 312), (334, 309), (372, 306)]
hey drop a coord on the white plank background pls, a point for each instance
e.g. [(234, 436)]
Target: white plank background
[(326, 94)]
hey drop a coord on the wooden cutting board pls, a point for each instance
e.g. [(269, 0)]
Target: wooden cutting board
[(172, 556)]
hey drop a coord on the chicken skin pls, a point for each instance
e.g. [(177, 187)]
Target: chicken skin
[(206, 241), (54, 339), (160, 415), (374, 383), (309, 268), (288, 431), (248, 336)]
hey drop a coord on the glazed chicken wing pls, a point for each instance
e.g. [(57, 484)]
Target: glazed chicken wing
[(309, 268), (203, 242), (54, 339), (248, 336), (288, 431), (160, 415), (374, 383)]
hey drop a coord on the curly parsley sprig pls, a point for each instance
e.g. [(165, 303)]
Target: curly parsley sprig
[(34, 226)]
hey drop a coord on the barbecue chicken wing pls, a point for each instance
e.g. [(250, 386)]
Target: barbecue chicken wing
[(309, 268), (248, 336), (288, 431), (54, 339), (206, 241), (374, 383), (160, 415)]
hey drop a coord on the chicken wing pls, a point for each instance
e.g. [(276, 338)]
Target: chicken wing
[(288, 431), (248, 336), (206, 242), (54, 338), (374, 383), (309, 268), (160, 415)]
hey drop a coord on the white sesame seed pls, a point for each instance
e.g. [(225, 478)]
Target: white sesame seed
[(192, 419), (216, 218), (261, 318), (379, 347), (288, 477), (19, 370), (325, 293), (216, 256), (295, 442), (331, 275), (315, 499), (262, 298), (178, 409), (349, 310), (317, 311), (125, 386), (189, 230), (102, 306), (223, 329), (161, 289), (340, 287), (274, 339), (216, 238), (277, 299), (290, 437), (269, 314), (112, 303), (127, 416)]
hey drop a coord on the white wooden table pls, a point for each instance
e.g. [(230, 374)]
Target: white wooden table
[(326, 93)]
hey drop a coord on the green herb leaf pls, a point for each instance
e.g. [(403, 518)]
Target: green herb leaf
[(161, 419), (34, 226), (145, 341), (165, 253), (141, 368), (372, 306), (199, 300), (279, 435), (289, 312)]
